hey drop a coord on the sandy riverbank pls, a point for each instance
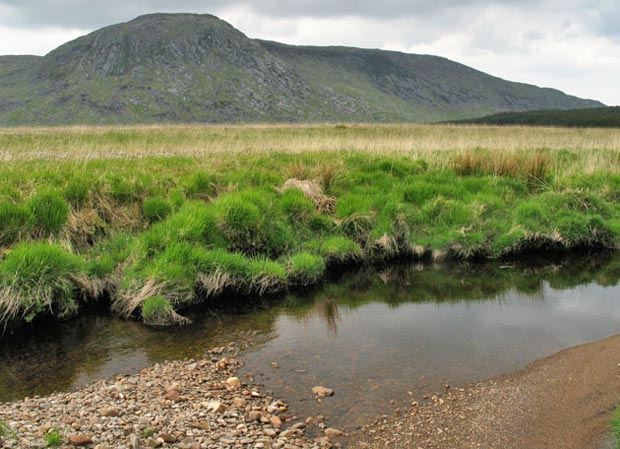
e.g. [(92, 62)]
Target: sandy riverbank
[(559, 402)]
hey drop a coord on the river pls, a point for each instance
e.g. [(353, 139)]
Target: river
[(379, 337)]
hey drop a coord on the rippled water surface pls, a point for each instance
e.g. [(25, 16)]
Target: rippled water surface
[(373, 336)]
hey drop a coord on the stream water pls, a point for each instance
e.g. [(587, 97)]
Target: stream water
[(374, 336)]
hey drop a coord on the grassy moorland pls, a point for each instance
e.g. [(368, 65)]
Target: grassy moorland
[(153, 220)]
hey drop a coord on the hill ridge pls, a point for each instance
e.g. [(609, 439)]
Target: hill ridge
[(188, 67)]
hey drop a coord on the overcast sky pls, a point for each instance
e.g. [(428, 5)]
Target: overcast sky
[(572, 45)]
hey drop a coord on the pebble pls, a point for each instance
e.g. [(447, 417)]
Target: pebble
[(233, 382), (322, 392), (332, 433), (194, 404), (79, 440), (239, 402), (167, 437), (275, 421), (254, 415), (216, 406), (109, 412)]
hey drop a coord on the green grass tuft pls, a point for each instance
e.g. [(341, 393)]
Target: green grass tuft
[(442, 212), (421, 191), (305, 268), (337, 249), (156, 209), (321, 224), (176, 198), (49, 212), (194, 222), (351, 204), (77, 191), (156, 310), (6, 431), (200, 185), (14, 223), (297, 208), (250, 224), (54, 438), (37, 278), (123, 189)]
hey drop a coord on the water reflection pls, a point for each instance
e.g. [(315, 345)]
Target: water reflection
[(68, 355), (380, 335)]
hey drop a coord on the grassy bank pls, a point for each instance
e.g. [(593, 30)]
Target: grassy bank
[(144, 220)]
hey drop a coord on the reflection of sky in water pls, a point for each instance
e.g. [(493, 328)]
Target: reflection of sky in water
[(376, 352), (372, 338)]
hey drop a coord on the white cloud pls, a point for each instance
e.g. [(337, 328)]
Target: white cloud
[(548, 50), (19, 41)]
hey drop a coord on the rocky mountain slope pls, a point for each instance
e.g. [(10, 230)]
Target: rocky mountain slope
[(198, 68)]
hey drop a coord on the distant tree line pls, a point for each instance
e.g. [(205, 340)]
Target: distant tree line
[(608, 117)]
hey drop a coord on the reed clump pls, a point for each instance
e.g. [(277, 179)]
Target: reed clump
[(533, 166)]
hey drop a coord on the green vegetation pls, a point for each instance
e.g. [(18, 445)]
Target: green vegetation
[(14, 222), (3, 430), (6, 431), (49, 212), (155, 236), (156, 310), (614, 427), (156, 209), (575, 118), (38, 278), (306, 268), (54, 438)]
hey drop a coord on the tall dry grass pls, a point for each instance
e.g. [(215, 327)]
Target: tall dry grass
[(531, 166), (426, 141)]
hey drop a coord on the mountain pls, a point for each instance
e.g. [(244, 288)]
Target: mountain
[(198, 68), (573, 118)]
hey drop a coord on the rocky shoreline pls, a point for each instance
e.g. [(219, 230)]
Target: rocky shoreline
[(193, 404)]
